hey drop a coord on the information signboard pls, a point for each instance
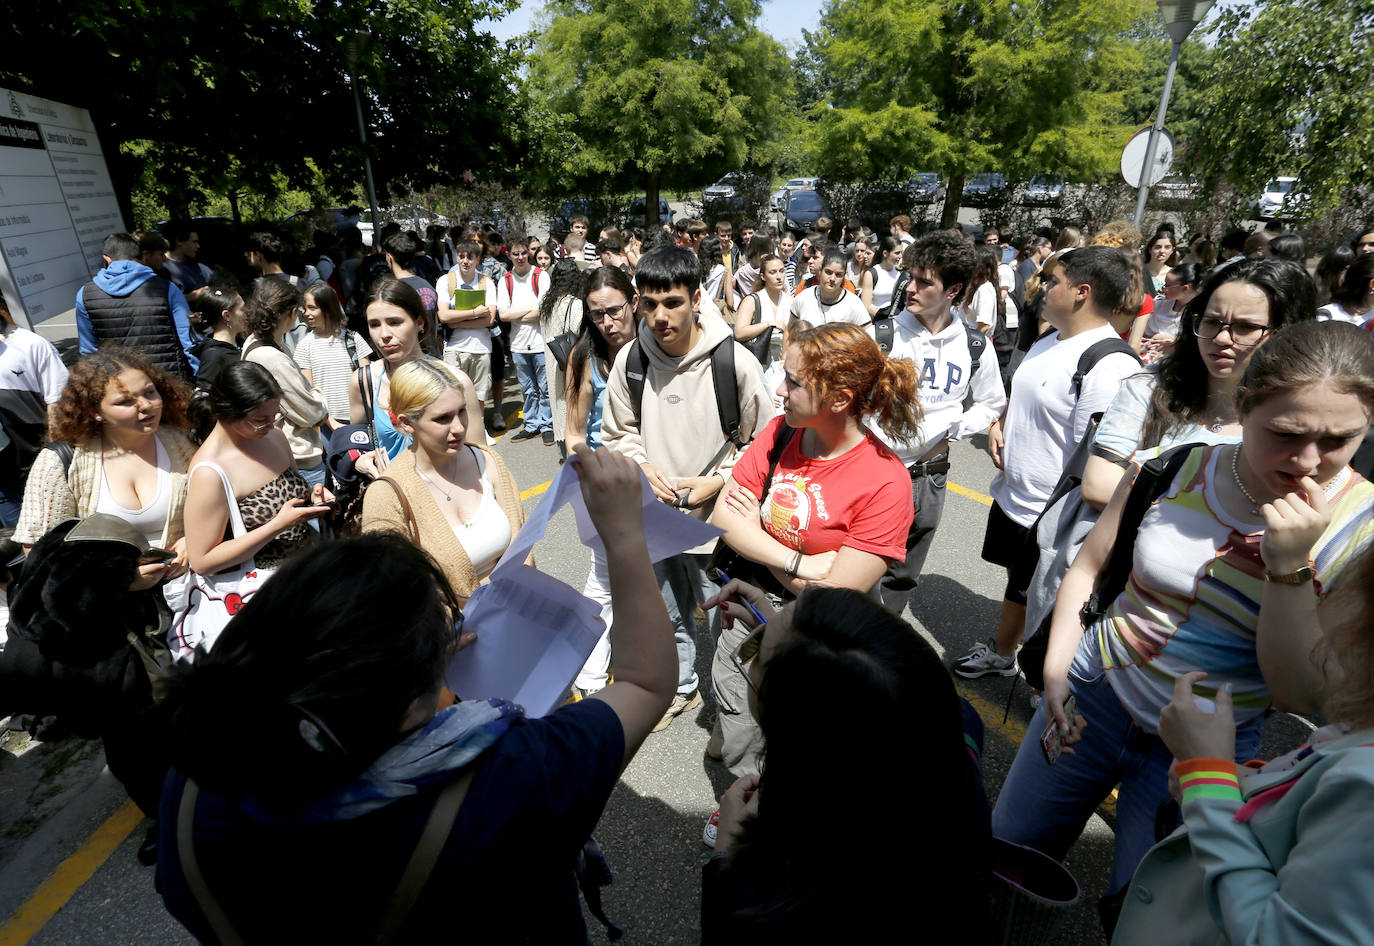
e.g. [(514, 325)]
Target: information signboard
[(57, 204)]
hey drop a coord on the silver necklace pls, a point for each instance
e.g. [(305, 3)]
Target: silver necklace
[(448, 496), (1235, 474)]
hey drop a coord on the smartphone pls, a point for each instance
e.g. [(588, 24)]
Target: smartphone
[(1050, 739), (156, 557)]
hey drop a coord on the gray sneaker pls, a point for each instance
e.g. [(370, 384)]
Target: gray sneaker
[(681, 704), (983, 660)]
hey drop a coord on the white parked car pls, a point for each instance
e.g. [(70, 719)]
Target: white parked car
[(1278, 199)]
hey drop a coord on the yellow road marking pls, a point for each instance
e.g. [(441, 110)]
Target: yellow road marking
[(52, 895), (532, 491), (967, 493)]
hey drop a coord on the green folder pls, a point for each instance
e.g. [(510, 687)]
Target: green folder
[(469, 298)]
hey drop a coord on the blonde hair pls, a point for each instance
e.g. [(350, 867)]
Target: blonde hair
[(417, 384), (1116, 234)]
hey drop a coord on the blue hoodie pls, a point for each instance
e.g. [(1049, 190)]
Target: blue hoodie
[(120, 278)]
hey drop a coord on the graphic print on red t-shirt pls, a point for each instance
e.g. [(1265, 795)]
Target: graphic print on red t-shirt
[(860, 499), (787, 510)]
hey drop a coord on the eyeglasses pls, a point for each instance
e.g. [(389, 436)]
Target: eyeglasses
[(516, 254), (1243, 334), (745, 653), (614, 314), (276, 418)]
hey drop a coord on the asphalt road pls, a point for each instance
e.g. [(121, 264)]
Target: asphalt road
[(651, 830)]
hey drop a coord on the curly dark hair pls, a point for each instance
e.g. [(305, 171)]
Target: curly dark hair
[(74, 415)]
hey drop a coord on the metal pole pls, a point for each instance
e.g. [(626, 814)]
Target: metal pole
[(1148, 169), (367, 156)]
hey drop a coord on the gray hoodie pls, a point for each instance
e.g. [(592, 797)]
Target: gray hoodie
[(680, 431)]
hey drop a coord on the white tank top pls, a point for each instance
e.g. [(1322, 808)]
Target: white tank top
[(883, 284), (776, 315), (487, 535), (151, 520)]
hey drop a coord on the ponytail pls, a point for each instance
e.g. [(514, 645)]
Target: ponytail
[(894, 399), (840, 355)]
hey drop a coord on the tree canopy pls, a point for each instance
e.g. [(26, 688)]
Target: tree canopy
[(660, 93), (240, 93), (970, 87), (1291, 96)]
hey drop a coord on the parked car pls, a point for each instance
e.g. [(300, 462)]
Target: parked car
[(801, 209), (793, 184), (307, 221), (880, 203), (725, 195), (1177, 190), (927, 188), (985, 189), (1044, 189), (1280, 199), (637, 214), (560, 224)]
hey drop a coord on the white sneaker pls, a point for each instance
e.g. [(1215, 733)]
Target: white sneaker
[(983, 660)]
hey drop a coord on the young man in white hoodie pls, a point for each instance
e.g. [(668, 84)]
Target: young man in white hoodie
[(943, 350), (675, 434)]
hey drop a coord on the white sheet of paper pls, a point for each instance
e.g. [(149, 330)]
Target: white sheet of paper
[(535, 632)]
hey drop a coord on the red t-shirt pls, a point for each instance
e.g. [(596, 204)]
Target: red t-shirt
[(860, 499)]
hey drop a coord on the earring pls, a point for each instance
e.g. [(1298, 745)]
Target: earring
[(99, 419)]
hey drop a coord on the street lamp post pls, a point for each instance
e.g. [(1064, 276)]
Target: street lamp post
[(1180, 17), (353, 49)]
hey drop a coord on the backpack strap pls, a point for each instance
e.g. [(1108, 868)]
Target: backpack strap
[(425, 856), (534, 281), (977, 344), (775, 455), (351, 346), (1095, 353), (636, 370), (417, 871), (510, 287), (722, 380), (365, 389), (65, 452), (883, 333), (1152, 482), (727, 389)]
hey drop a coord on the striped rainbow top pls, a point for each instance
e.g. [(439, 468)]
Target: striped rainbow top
[(1192, 601)]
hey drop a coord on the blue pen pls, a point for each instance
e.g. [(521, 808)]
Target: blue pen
[(725, 580)]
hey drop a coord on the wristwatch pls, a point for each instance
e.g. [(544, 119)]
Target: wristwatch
[(1300, 577)]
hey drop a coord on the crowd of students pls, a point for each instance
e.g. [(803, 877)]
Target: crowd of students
[(801, 394)]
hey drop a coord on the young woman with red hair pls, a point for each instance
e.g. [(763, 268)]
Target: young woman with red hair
[(837, 505)]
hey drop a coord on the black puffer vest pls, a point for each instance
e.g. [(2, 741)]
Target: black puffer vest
[(142, 320)]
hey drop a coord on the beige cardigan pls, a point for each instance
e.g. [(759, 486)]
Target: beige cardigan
[(382, 511), (52, 496)]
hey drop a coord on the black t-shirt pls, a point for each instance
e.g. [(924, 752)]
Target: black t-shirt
[(506, 874)]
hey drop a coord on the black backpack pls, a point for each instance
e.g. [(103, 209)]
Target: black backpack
[(722, 379), (1152, 482), (883, 332)]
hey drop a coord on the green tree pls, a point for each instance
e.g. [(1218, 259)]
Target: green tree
[(248, 96), (661, 94), (1290, 94), (969, 87)]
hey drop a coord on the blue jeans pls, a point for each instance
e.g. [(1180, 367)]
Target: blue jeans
[(11, 502), (1046, 806), (534, 387), (683, 582), (314, 475)]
